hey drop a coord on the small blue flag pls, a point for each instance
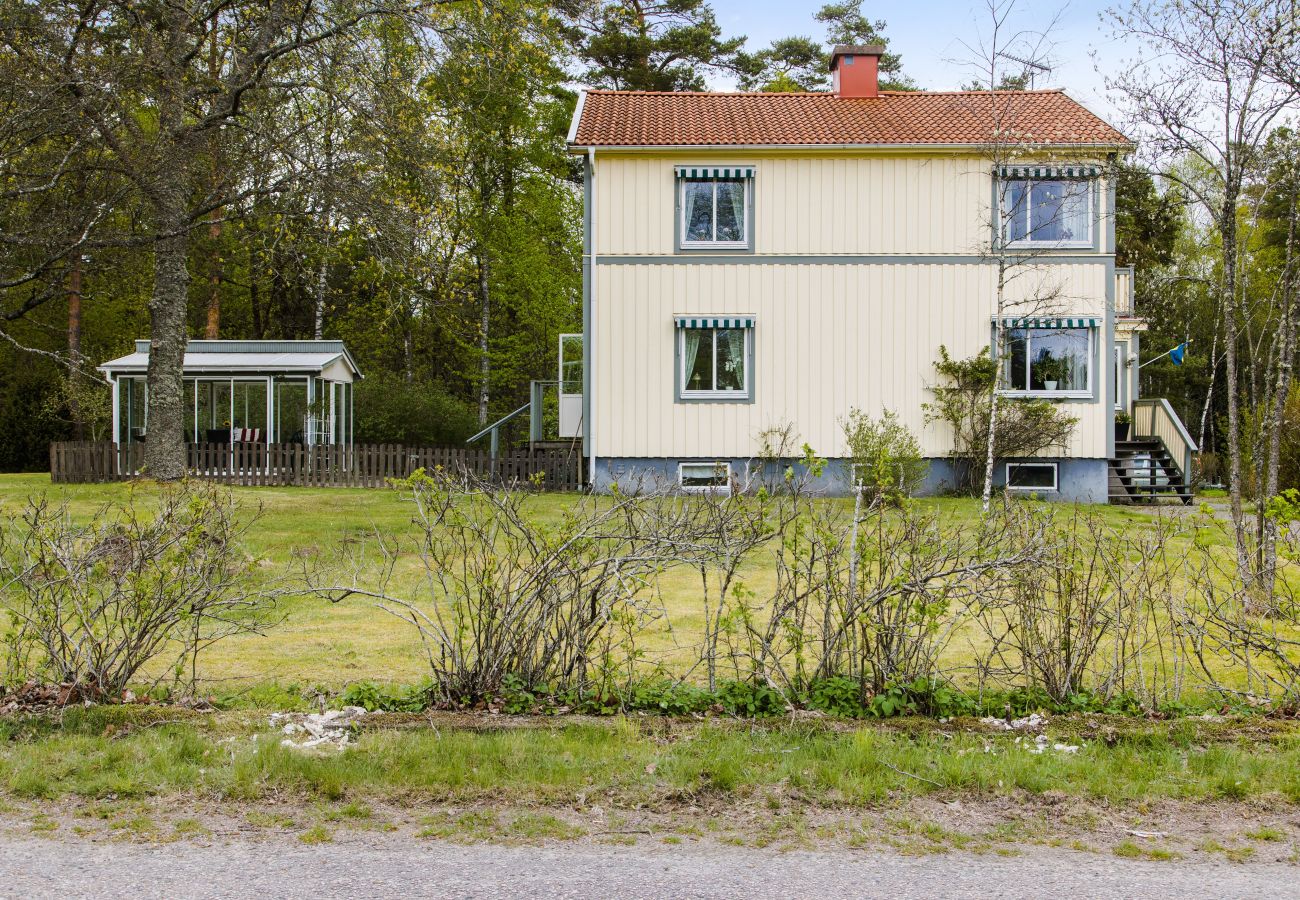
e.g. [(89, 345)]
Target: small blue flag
[(1176, 354)]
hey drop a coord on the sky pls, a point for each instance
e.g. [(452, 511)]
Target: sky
[(930, 36)]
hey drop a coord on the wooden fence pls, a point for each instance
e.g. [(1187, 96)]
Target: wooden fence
[(364, 465)]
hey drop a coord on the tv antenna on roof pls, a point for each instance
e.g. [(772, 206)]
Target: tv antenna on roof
[(1032, 68)]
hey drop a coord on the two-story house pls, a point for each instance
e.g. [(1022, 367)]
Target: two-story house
[(752, 260)]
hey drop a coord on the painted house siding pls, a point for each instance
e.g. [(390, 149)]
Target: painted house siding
[(815, 204), (828, 337)]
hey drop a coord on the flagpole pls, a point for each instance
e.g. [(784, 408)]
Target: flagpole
[(1163, 355)]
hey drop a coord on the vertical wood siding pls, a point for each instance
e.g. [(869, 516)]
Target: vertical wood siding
[(810, 205), (828, 337)]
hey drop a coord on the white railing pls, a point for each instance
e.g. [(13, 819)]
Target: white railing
[(1155, 419), (1124, 292)]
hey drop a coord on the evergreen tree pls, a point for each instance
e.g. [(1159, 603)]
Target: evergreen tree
[(647, 45), (802, 64)]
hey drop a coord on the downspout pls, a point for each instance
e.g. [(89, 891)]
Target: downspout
[(589, 326)]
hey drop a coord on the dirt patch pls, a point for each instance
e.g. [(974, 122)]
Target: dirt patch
[(1239, 833)]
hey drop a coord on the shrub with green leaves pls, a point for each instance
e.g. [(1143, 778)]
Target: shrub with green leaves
[(886, 456), (963, 400)]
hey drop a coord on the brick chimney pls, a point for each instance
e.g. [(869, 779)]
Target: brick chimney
[(856, 70)]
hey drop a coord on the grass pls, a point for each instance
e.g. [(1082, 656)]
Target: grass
[(329, 645), (317, 834), (1266, 833), (225, 756)]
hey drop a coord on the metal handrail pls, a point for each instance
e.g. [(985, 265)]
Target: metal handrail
[(495, 427)]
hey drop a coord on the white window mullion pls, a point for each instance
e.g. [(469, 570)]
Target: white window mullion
[(714, 223), (1029, 359), (713, 334)]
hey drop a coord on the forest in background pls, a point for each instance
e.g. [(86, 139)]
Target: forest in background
[(393, 174)]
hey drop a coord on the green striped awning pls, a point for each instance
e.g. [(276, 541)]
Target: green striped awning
[(1049, 171), (715, 321), (715, 171), (1050, 322)]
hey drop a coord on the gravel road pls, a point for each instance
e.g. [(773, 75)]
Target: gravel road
[(382, 866)]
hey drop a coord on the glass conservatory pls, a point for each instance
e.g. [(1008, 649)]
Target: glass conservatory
[(262, 392)]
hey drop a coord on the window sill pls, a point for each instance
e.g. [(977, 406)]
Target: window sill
[(714, 248), (1047, 395), (712, 397), (1050, 245)]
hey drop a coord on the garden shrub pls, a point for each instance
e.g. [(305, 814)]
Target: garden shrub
[(91, 604), (963, 401), (885, 454)]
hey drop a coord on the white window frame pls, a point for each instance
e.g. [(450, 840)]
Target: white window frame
[(1085, 394), (1056, 477), (1119, 378), (1004, 191), (685, 243), (717, 466), (713, 394)]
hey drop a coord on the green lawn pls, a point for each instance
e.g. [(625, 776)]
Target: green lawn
[(320, 643)]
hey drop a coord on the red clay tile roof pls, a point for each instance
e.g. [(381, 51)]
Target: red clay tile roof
[(648, 118)]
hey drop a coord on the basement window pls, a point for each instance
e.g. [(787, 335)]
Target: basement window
[(1035, 476), (705, 477)]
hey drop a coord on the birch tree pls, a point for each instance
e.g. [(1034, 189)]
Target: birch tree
[(1004, 53)]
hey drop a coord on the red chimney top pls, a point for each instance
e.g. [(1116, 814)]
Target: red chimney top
[(856, 70)]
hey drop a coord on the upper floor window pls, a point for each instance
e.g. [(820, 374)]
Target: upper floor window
[(715, 205), (1047, 206), (1050, 356)]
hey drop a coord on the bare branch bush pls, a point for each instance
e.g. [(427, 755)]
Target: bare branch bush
[(92, 606), (553, 605), (1239, 652), (876, 596)]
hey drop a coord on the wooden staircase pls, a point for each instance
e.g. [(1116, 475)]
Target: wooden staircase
[(1143, 471)]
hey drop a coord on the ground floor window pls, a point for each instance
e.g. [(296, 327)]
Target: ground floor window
[(715, 356), (705, 477), (1049, 360), (1035, 476)]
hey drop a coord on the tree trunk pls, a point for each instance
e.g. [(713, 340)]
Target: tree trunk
[(164, 449), (213, 330), (1266, 527), (255, 298), (1209, 391), (322, 287), (485, 362), (1000, 346), (74, 349), (1228, 234)]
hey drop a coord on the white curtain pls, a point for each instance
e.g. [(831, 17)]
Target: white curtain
[(736, 344), (736, 196), (690, 350), (1074, 211)]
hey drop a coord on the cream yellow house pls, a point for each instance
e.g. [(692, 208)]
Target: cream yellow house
[(757, 260)]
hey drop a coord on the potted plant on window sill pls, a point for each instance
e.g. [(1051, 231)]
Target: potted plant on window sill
[(1051, 372), (1122, 422)]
